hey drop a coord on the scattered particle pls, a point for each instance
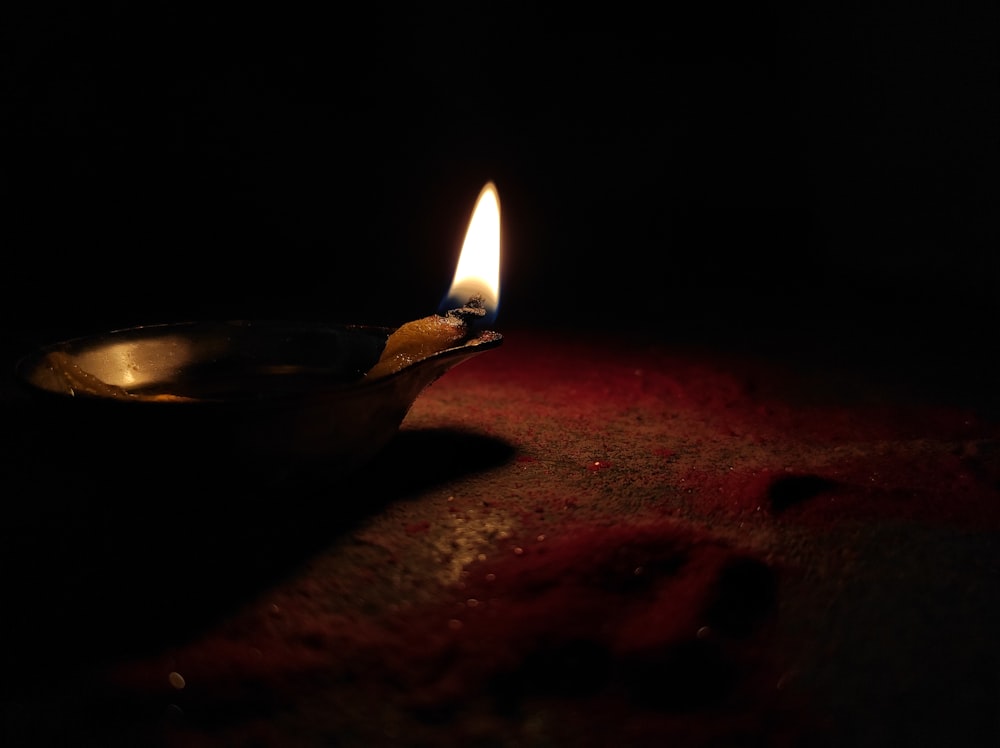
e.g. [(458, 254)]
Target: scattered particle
[(703, 632), (491, 577), (540, 538), (518, 550), (472, 602), (176, 680), (454, 624)]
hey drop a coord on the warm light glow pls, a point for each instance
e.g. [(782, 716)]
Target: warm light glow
[(161, 359), (478, 269)]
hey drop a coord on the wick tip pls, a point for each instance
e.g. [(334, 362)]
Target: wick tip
[(474, 307)]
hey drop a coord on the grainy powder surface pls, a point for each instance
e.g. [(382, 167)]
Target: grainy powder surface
[(571, 542)]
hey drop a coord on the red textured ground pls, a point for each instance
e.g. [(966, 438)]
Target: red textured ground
[(572, 542)]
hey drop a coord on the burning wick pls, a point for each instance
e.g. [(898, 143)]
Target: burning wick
[(426, 336), (477, 278)]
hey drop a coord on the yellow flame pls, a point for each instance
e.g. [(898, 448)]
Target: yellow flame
[(478, 269)]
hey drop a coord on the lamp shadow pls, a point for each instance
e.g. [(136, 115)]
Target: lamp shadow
[(101, 561)]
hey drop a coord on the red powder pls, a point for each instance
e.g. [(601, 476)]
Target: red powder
[(520, 591), (651, 617)]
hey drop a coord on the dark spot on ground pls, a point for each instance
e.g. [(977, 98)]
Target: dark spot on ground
[(790, 490)]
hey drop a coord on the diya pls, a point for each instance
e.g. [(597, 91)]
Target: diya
[(261, 390)]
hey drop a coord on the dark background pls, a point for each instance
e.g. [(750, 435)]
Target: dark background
[(818, 171)]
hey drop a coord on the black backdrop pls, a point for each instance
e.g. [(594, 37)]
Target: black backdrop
[(728, 168)]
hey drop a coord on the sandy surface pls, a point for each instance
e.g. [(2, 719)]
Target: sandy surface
[(571, 542)]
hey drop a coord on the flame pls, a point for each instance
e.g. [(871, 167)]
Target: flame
[(478, 269)]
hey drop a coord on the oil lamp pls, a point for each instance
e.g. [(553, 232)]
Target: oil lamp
[(263, 390)]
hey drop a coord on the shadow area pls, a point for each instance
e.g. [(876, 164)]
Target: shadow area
[(100, 559)]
